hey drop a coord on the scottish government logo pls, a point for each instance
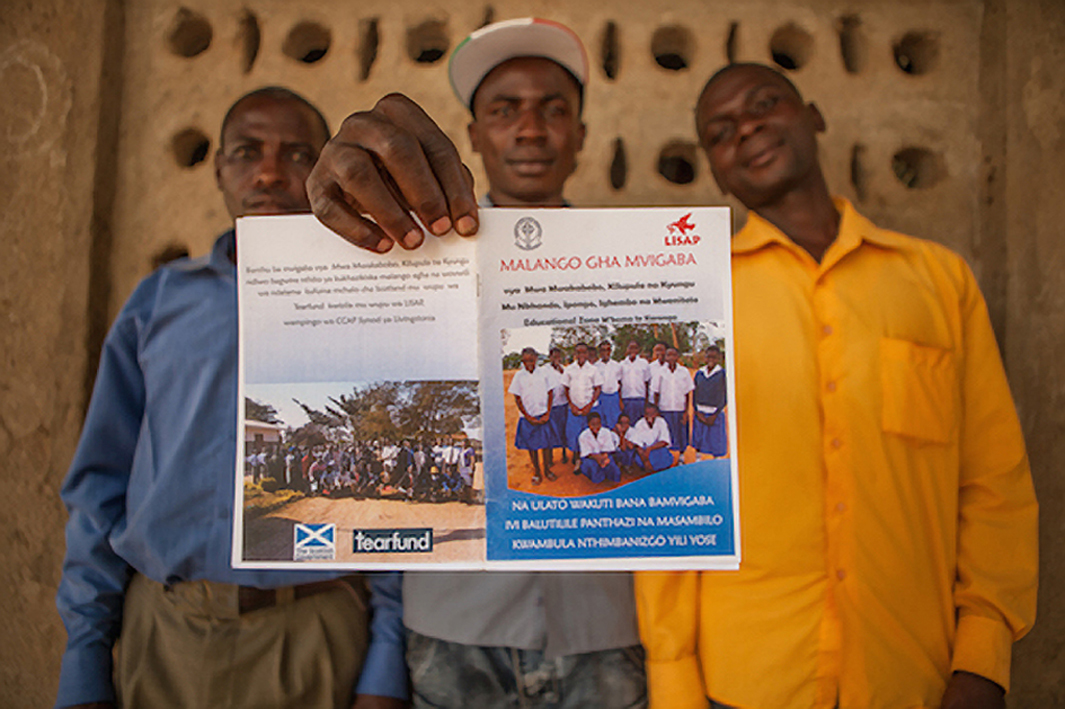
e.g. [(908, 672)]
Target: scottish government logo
[(527, 234), (393, 541), (315, 541)]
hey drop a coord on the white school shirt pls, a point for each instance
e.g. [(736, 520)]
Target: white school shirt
[(645, 435), (582, 381), (533, 388), (672, 387), (554, 379), (656, 371), (611, 373), (605, 442), (634, 377)]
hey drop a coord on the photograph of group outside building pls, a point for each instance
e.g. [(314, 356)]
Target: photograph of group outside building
[(408, 452), (590, 408)]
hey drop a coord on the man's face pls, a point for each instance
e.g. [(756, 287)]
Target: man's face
[(671, 358), (650, 413), (268, 149), (555, 357), (595, 424), (528, 131), (529, 360), (632, 350), (658, 353), (623, 424), (604, 352), (582, 354), (758, 135), (712, 358)]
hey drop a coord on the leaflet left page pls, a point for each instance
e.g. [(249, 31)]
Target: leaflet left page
[(359, 402)]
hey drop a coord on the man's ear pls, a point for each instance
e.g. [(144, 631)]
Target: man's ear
[(473, 130), (218, 160), (720, 185), (819, 120)]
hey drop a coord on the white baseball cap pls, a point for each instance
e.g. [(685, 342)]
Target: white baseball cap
[(494, 44)]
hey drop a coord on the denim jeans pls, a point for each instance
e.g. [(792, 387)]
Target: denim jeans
[(449, 675)]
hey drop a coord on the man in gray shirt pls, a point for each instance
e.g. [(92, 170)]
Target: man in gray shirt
[(566, 640)]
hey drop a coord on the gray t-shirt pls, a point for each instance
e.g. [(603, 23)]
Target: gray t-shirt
[(561, 613)]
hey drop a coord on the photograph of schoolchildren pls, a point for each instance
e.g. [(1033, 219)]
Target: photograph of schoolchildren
[(402, 453), (592, 407)]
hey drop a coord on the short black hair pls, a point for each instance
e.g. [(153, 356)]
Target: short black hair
[(279, 93), (744, 65), (594, 415), (529, 350), (580, 86)]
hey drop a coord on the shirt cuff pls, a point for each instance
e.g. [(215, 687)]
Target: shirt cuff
[(983, 646), (676, 684), (384, 672), (85, 676)]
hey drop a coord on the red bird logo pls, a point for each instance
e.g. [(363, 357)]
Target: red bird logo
[(682, 226)]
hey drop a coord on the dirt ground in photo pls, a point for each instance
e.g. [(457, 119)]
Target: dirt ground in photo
[(458, 528), (567, 484)]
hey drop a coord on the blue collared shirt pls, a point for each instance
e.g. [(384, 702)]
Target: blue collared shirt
[(151, 486)]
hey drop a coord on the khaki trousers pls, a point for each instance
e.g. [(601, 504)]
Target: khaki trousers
[(188, 647)]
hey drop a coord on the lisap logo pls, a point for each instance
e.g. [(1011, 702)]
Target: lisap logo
[(314, 541), (395, 541), (678, 232)]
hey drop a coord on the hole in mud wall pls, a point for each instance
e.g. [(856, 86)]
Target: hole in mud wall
[(190, 147), (171, 252), (917, 52), (676, 162), (859, 176), (248, 39), (791, 47), (732, 43), (619, 166), (190, 33), (672, 47), (428, 43), (369, 39), (489, 16), (852, 44), (608, 50), (918, 168), (307, 42)]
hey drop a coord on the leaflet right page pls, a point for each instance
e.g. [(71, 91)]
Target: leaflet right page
[(606, 374)]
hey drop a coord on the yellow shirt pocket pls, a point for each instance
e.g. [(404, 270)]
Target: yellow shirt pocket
[(918, 386)]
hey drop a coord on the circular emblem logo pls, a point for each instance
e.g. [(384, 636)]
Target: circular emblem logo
[(527, 233)]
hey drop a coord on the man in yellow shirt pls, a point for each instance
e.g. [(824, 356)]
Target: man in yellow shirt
[(888, 533), (888, 519)]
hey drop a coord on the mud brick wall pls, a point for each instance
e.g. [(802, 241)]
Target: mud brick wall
[(946, 119)]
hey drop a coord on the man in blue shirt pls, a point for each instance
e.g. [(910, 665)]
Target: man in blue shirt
[(150, 492)]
